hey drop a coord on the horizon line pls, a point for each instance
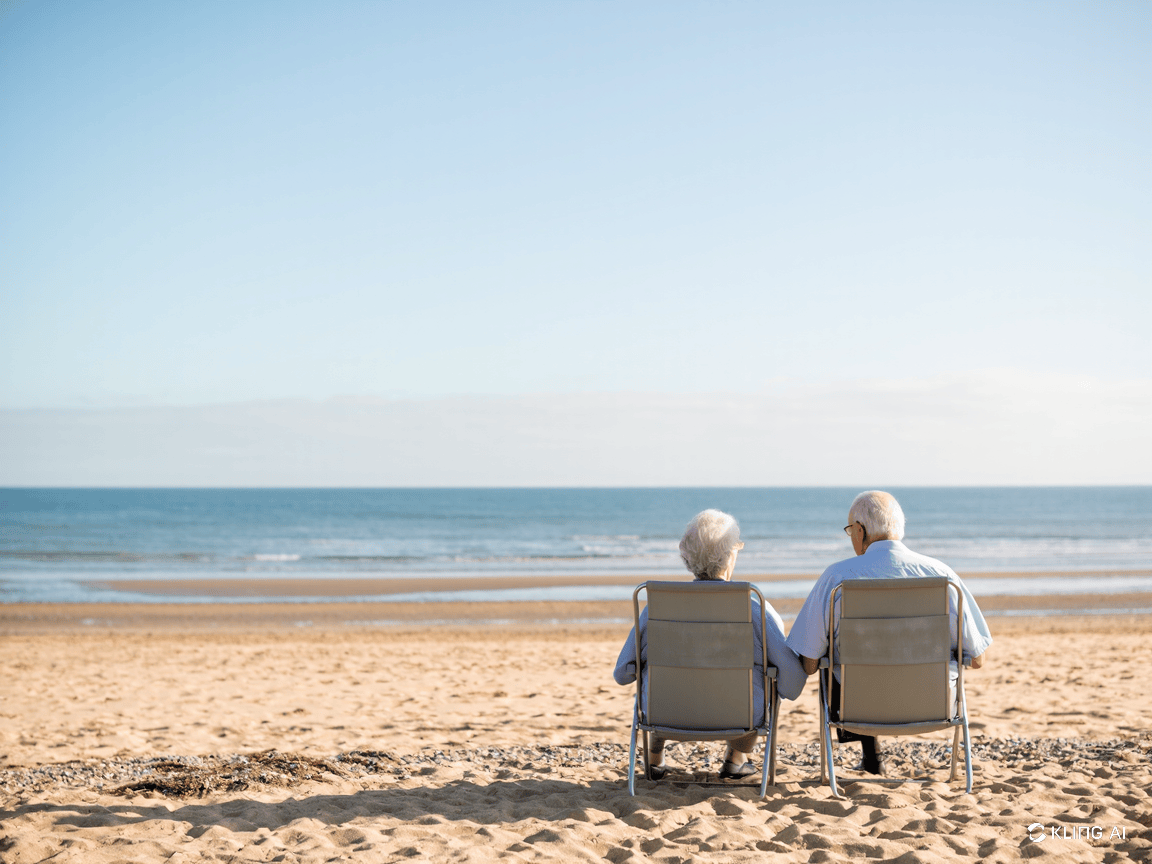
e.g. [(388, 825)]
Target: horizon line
[(526, 487)]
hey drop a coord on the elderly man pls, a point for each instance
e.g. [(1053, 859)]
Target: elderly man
[(876, 527)]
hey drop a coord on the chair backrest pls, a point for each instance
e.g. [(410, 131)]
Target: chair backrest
[(700, 647), (893, 649)]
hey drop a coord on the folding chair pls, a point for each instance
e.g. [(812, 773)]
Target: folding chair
[(893, 651), (699, 669)]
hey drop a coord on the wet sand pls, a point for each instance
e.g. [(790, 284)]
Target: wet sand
[(244, 616), (382, 586)]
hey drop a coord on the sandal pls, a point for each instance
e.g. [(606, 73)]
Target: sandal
[(732, 771), (657, 772)]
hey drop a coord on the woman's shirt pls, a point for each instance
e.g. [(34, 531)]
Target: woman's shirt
[(790, 675)]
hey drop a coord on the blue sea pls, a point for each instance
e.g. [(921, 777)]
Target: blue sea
[(59, 544)]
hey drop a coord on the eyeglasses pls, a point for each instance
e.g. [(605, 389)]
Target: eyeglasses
[(848, 529)]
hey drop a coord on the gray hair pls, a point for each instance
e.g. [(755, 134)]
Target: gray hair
[(880, 514), (708, 543)]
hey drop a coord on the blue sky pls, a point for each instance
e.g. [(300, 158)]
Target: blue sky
[(222, 204)]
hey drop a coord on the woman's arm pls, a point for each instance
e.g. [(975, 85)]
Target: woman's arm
[(790, 674)]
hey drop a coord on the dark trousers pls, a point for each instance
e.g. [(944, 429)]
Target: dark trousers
[(867, 742)]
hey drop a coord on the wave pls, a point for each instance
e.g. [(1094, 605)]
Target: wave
[(81, 556), (368, 559)]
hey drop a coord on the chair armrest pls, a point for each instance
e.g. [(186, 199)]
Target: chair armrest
[(823, 662), (771, 672)]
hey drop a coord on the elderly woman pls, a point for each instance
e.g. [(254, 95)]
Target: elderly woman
[(709, 548)]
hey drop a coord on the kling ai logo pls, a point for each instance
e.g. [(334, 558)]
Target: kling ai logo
[(1038, 832)]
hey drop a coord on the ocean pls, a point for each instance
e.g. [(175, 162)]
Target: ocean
[(58, 545)]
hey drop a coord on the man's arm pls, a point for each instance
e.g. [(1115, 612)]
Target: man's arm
[(808, 636), (977, 637)]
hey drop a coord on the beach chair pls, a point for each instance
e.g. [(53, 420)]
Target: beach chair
[(893, 651), (699, 668)]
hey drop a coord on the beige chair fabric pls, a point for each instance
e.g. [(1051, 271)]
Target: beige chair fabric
[(698, 667), (893, 651)]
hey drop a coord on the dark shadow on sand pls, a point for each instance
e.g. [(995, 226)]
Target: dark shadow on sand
[(502, 801)]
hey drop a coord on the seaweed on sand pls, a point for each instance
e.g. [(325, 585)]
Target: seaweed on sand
[(270, 768)]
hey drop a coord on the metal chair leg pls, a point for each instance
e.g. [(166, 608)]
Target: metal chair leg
[(955, 744), (769, 772), (632, 753), (967, 748), (831, 761), (775, 725), (827, 758), (823, 759)]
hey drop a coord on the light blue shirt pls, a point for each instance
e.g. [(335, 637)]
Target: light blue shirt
[(883, 559), (790, 675)]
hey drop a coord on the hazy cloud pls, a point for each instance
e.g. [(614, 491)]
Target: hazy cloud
[(985, 428)]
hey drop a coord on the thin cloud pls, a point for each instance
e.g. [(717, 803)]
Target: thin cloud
[(980, 428)]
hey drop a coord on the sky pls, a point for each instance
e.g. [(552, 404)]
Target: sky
[(575, 243)]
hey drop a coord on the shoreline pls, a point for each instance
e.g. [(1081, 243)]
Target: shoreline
[(1110, 610), (311, 586), (256, 604)]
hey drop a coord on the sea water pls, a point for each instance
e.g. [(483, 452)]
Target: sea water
[(55, 544)]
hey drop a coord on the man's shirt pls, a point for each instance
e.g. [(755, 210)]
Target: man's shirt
[(884, 559)]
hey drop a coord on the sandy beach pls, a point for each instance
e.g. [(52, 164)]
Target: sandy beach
[(474, 732)]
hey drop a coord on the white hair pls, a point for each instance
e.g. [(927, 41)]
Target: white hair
[(709, 542), (880, 514)]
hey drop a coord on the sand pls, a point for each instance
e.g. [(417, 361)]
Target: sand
[(133, 733)]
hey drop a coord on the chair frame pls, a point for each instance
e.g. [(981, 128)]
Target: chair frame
[(952, 717), (641, 726)]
